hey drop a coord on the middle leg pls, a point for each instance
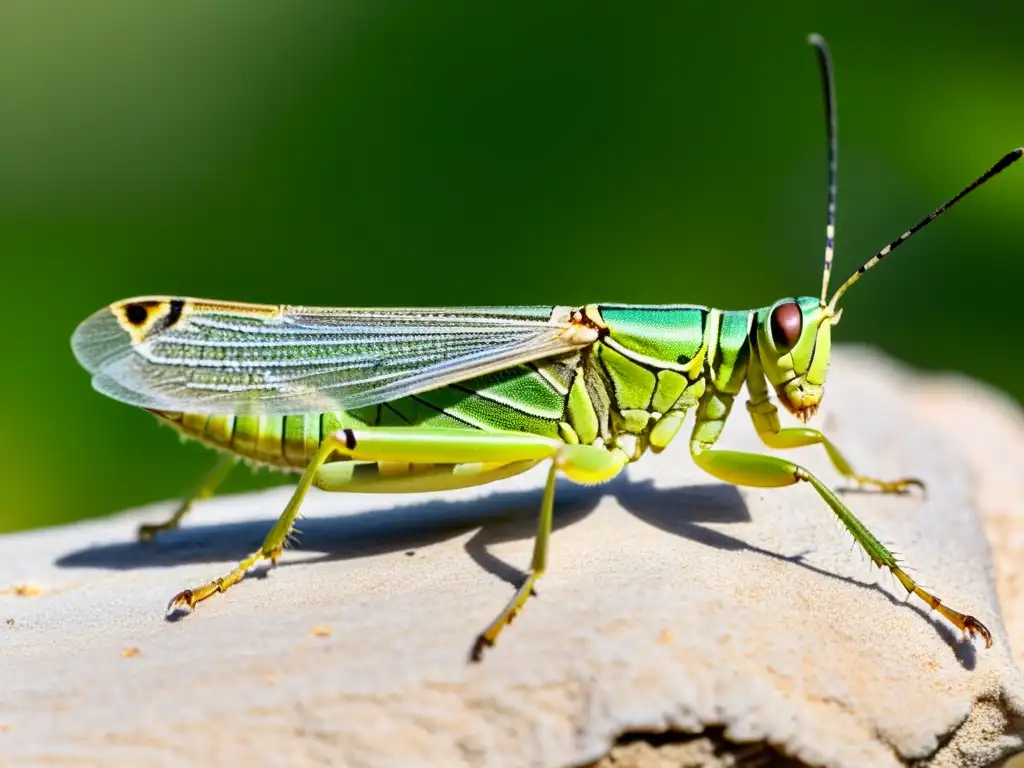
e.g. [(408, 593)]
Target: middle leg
[(583, 463)]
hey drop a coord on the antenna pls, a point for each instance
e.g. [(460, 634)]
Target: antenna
[(1007, 160), (828, 86)]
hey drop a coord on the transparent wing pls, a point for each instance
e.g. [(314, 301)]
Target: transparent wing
[(198, 356)]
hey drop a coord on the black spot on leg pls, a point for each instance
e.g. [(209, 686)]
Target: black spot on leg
[(350, 439)]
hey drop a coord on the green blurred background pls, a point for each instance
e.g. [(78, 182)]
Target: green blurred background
[(453, 152)]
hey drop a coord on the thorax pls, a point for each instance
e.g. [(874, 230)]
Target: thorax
[(653, 364)]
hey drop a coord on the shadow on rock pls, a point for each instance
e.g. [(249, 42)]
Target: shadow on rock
[(498, 517), (656, 508)]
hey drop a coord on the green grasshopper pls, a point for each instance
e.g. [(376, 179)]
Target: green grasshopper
[(415, 400)]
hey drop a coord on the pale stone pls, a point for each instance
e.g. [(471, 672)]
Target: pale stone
[(672, 602)]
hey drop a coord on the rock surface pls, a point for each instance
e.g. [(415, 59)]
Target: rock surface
[(672, 602)]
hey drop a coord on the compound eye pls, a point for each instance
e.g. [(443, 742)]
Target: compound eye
[(787, 322)]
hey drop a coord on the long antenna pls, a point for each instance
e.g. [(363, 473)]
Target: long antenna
[(829, 87), (1007, 160)]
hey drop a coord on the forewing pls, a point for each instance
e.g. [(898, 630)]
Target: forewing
[(196, 356)]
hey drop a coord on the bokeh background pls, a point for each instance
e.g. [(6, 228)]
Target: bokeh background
[(454, 152)]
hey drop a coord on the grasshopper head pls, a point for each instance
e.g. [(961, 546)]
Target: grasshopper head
[(794, 338), (794, 335)]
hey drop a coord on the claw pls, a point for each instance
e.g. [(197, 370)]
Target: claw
[(974, 627), (185, 598), (477, 653), (148, 532), (903, 485)]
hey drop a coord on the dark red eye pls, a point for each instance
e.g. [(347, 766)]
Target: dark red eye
[(787, 322)]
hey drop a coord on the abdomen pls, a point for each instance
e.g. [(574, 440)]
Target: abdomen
[(522, 399)]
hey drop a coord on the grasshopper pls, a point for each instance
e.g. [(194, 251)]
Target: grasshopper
[(431, 399)]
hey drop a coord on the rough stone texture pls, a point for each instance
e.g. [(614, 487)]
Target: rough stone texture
[(672, 602)]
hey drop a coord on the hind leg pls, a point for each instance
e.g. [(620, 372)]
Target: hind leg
[(465, 458), (379, 445), (211, 481)]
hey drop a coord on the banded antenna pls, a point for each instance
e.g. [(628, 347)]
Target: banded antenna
[(1005, 162), (828, 86)]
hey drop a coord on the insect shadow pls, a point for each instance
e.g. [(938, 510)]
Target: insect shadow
[(496, 518), (680, 511)]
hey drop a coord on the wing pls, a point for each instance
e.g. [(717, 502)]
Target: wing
[(198, 356)]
